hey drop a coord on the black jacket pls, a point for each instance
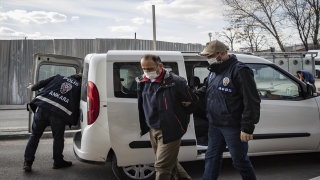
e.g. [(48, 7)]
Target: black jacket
[(174, 117), (60, 95), (238, 107)]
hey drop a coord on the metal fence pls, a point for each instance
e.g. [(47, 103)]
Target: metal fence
[(16, 58), (292, 61)]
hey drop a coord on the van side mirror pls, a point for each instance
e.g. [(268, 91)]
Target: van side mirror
[(311, 90)]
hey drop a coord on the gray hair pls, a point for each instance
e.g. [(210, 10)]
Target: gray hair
[(154, 57)]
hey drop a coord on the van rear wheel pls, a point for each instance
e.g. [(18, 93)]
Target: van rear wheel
[(134, 172)]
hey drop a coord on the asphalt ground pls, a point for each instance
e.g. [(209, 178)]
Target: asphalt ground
[(277, 167)]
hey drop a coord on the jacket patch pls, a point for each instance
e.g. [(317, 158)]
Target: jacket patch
[(65, 87), (226, 81), (57, 95), (225, 89), (71, 81)]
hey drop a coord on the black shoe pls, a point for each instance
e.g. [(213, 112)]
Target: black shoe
[(27, 166), (62, 164)]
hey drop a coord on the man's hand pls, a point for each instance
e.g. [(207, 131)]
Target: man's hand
[(30, 86), (300, 77), (186, 103), (245, 137)]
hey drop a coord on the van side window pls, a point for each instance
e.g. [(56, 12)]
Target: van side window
[(46, 71), (199, 77), (84, 83), (124, 74), (49, 70), (273, 84), (201, 72)]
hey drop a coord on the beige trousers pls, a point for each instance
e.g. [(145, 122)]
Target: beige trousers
[(166, 162)]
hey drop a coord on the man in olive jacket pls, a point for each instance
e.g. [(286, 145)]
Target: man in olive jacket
[(165, 103)]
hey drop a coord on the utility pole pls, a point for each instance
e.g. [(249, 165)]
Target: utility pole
[(210, 35), (135, 42), (154, 28)]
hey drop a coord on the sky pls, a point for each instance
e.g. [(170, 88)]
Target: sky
[(184, 21)]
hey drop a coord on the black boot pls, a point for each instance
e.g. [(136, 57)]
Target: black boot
[(27, 166), (62, 164)]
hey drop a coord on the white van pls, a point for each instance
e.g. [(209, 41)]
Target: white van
[(316, 61), (109, 122)]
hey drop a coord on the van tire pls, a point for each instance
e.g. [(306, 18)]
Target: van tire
[(120, 173)]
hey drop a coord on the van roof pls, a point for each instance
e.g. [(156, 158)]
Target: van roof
[(130, 55), (312, 52), (191, 56), (133, 56), (315, 50)]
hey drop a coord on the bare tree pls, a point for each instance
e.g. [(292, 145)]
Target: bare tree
[(252, 36), (315, 10), (265, 13), (299, 16), (230, 34)]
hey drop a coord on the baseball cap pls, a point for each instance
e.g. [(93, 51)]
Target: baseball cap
[(213, 47)]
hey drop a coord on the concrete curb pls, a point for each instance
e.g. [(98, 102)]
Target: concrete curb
[(316, 178), (69, 133), (13, 107)]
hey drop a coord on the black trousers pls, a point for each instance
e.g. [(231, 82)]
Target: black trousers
[(42, 119)]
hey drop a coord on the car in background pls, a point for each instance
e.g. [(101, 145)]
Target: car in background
[(316, 62)]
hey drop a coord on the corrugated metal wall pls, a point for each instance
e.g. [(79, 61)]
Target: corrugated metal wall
[(16, 58)]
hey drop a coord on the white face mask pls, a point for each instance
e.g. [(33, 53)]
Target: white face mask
[(213, 61), (152, 75)]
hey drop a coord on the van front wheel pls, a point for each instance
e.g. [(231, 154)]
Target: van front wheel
[(134, 172)]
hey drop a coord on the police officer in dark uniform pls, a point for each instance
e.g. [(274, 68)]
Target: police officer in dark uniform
[(232, 109), (57, 105)]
